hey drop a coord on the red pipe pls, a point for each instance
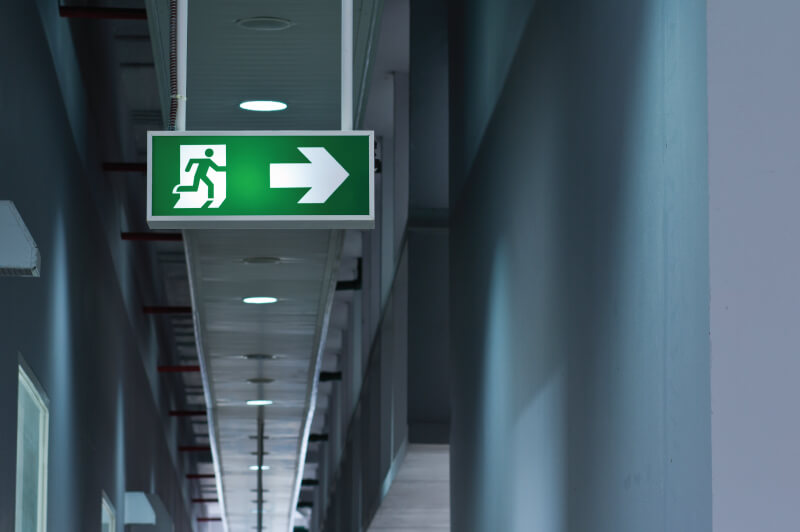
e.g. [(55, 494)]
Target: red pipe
[(178, 369), (152, 237), (115, 13), (193, 448), (164, 309), (208, 519), (187, 413)]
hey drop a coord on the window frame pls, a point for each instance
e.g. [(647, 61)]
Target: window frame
[(27, 381), (107, 506)]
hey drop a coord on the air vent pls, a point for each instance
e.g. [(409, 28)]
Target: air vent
[(264, 23), (19, 255)]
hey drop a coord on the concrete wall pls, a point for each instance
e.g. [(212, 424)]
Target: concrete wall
[(108, 429), (754, 164), (579, 266)]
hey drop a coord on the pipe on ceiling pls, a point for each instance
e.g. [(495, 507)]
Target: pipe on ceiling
[(179, 369), (152, 237), (107, 13), (166, 309), (187, 413)]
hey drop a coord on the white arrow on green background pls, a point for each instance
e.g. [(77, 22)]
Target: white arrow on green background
[(322, 173)]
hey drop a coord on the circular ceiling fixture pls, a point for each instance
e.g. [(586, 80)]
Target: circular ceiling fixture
[(260, 380), (263, 105), (259, 402), (260, 300), (262, 260), (260, 356), (264, 23)]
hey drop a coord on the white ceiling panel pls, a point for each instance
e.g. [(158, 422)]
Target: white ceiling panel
[(299, 65), (260, 352)]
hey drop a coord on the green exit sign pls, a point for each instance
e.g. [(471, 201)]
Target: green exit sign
[(260, 179)]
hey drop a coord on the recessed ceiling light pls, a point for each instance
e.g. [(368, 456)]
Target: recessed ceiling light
[(255, 468), (263, 105), (260, 380), (259, 300), (260, 356), (262, 260), (259, 402), (264, 23)]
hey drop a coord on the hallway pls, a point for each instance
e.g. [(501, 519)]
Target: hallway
[(399, 266)]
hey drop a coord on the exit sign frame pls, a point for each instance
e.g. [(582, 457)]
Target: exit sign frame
[(303, 220)]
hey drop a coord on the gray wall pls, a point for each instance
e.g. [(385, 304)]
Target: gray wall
[(395, 392), (427, 231), (754, 163), (579, 266), (94, 358)]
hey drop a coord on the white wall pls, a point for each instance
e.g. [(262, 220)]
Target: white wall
[(754, 183)]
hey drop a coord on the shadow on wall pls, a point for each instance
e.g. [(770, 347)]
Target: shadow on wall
[(585, 304)]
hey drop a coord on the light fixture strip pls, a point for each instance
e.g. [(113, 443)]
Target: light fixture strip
[(260, 471)]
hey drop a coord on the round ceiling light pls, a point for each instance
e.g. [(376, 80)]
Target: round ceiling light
[(255, 468), (260, 356), (260, 380), (260, 300), (259, 402), (263, 105), (264, 23), (262, 260)]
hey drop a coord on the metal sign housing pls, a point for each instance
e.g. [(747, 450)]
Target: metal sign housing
[(260, 179)]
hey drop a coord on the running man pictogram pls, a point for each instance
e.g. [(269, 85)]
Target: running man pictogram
[(203, 175), (203, 166)]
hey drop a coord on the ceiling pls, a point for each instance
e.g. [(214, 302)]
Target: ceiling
[(279, 343), (207, 271), (299, 65)]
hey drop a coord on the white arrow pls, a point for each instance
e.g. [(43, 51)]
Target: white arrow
[(323, 174)]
